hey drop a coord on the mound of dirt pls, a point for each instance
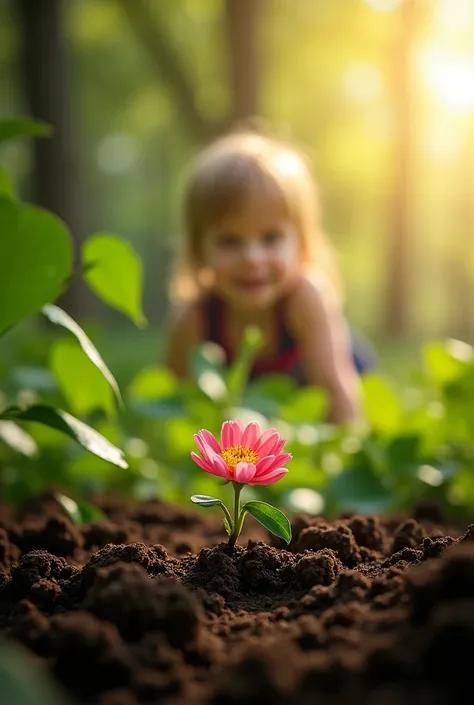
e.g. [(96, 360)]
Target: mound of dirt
[(152, 606)]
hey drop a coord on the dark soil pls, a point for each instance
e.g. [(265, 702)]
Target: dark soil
[(151, 606)]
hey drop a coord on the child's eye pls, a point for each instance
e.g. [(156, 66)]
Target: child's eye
[(272, 237), (228, 240)]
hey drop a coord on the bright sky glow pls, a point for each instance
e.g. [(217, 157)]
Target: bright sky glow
[(449, 77)]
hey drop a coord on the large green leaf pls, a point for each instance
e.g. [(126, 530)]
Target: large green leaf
[(81, 383), (64, 422), (114, 273), (57, 315), (35, 260), (270, 517), (6, 186), (20, 128)]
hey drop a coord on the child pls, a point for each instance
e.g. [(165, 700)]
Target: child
[(254, 253)]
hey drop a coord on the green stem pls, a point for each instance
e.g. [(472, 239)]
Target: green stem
[(236, 524), (227, 515)]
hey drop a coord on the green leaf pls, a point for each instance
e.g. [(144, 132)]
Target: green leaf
[(402, 455), (227, 526), (6, 186), (204, 500), (89, 512), (170, 408), (20, 128), (446, 361), (18, 439), (69, 425), (382, 405), (207, 362), (114, 273), (70, 508), (35, 260), (359, 489), (57, 315), (307, 405), (81, 383), (239, 371), (153, 383), (79, 512), (270, 517)]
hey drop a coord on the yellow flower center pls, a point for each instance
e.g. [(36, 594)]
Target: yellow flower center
[(238, 454)]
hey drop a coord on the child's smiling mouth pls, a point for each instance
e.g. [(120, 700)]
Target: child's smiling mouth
[(253, 283)]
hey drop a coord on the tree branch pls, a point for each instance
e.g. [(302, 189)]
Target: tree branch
[(169, 65)]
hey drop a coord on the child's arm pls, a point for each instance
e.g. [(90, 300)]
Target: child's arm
[(321, 332), (182, 335)]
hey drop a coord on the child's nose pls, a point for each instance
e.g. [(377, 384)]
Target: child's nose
[(253, 252)]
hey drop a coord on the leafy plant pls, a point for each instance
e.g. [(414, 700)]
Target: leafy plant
[(35, 268)]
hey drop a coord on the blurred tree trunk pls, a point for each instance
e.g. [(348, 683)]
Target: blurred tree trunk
[(395, 316), (44, 75), (240, 25)]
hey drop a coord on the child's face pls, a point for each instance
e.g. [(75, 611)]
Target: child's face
[(254, 255)]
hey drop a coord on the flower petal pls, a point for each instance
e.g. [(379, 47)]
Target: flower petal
[(251, 434), (283, 458), (204, 464), (272, 445), (270, 477), (244, 472), (211, 440), (231, 433), (266, 464), (213, 467), (266, 435), (203, 447)]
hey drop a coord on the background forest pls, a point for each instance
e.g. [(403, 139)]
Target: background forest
[(380, 93)]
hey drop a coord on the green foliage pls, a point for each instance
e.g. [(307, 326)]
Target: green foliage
[(20, 128), (114, 273), (79, 512), (35, 260), (35, 263), (72, 427), (270, 517), (82, 385), (57, 315), (6, 186)]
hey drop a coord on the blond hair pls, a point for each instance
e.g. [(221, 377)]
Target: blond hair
[(223, 178)]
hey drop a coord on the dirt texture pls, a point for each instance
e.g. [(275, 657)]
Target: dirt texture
[(151, 606)]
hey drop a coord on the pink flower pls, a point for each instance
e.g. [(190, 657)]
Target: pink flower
[(244, 455)]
